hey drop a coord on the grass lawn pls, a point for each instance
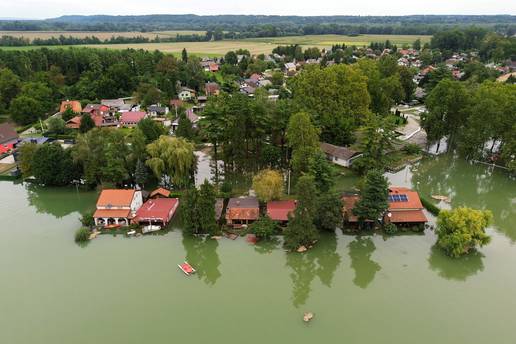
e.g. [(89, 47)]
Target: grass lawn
[(344, 179), (254, 45)]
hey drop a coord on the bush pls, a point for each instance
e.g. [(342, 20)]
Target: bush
[(263, 228), (82, 235), (412, 149), (87, 220), (432, 208), (390, 228)]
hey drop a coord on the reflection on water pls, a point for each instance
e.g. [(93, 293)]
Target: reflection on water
[(458, 269), (473, 185), (321, 261), (360, 251), (60, 202), (201, 253), (267, 246)]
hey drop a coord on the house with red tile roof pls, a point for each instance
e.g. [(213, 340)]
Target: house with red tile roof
[(8, 135), (280, 210), (131, 118), (157, 211), (117, 207), (405, 207), (242, 211)]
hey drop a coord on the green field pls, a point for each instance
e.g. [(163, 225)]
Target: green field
[(99, 34), (255, 45)]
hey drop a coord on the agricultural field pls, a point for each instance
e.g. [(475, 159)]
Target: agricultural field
[(254, 45), (99, 34)]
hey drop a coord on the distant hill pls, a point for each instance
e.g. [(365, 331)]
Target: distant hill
[(267, 25)]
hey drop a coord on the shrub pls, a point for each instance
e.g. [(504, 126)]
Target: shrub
[(390, 228), (412, 149), (87, 220), (82, 235), (432, 208)]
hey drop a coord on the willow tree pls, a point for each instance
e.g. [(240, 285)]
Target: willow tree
[(172, 160)]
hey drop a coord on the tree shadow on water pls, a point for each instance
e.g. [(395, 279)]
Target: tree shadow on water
[(201, 253), (267, 246), (360, 251), (458, 269), (321, 261)]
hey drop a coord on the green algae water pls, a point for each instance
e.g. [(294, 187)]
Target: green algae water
[(362, 289)]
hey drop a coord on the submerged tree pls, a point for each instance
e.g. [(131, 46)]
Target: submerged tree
[(463, 229)]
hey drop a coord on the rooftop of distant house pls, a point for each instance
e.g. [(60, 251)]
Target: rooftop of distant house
[(115, 198), (8, 133), (280, 210)]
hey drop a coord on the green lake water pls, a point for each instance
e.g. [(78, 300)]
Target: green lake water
[(367, 289)]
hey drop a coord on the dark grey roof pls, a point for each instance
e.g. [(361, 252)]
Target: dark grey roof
[(243, 202), (344, 153)]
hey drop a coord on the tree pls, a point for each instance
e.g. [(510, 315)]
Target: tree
[(461, 230), (303, 139), (184, 55), (329, 212), (150, 129), (277, 78), (140, 173), (231, 58), (172, 158), (26, 110), (147, 94), (198, 209), (301, 230), (206, 208), (25, 156), (322, 172), (263, 228), (373, 198), (407, 82), (56, 125), (87, 123), (52, 165), (268, 185), (447, 106), (185, 127), (68, 114), (417, 44), (10, 85)]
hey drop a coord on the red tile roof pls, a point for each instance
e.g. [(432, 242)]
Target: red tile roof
[(160, 209), (410, 216), (8, 133), (71, 104), (160, 191), (132, 117), (245, 208), (413, 201), (279, 210), (115, 198)]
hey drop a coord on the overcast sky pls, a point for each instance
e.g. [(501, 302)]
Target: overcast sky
[(56, 8)]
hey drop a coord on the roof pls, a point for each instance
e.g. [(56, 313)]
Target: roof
[(8, 133), (71, 104), (112, 102), (506, 77), (160, 191), (244, 208), (279, 210), (176, 102), (157, 108), (347, 209), (115, 198), (97, 107), (192, 116), (413, 201), (410, 216), (74, 122), (344, 153), (132, 116), (112, 213), (157, 209), (211, 87)]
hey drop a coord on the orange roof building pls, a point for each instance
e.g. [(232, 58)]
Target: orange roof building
[(280, 210), (117, 207), (74, 105), (405, 207)]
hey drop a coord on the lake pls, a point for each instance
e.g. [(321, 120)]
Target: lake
[(362, 289)]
